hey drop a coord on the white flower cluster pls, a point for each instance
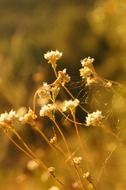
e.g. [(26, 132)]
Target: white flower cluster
[(10, 117), (48, 110), (29, 117), (62, 78), (52, 57), (87, 71), (77, 160), (48, 92), (94, 118), (87, 62), (70, 105)]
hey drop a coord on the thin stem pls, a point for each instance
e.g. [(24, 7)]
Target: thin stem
[(105, 163), (59, 149), (61, 183), (63, 137), (44, 136), (55, 72), (78, 174), (78, 135), (18, 146), (78, 123), (29, 149), (77, 131), (34, 101)]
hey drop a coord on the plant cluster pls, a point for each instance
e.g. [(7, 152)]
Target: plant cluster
[(53, 107)]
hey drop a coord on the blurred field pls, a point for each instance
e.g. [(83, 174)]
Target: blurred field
[(78, 28)]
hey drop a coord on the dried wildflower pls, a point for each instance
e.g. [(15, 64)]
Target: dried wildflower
[(77, 160), (52, 57), (87, 62), (54, 92), (94, 118), (53, 140), (48, 92), (48, 110), (87, 72), (62, 78), (28, 117), (32, 165), (86, 175), (54, 188), (70, 105), (108, 84), (44, 91), (8, 118), (52, 170)]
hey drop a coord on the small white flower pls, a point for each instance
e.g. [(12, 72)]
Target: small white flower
[(108, 84), (85, 72), (29, 117), (54, 188), (48, 110), (87, 61), (70, 105), (10, 117), (86, 175), (52, 170), (94, 118), (77, 160), (53, 56), (53, 140), (62, 78)]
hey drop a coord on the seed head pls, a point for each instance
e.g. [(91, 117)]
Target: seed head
[(53, 57), (87, 61), (48, 110), (53, 140), (52, 170), (62, 78), (8, 118), (77, 160), (94, 118), (29, 117), (70, 105)]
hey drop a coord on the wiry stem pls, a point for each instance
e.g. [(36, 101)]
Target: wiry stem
[(104, 164), (29, 149), (44, 136), (63, 137), (20, 148)]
